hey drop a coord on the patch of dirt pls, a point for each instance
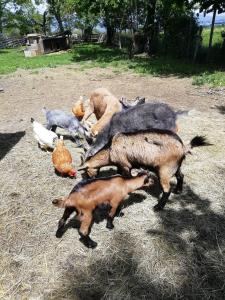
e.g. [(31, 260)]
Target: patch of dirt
[(177, 253)]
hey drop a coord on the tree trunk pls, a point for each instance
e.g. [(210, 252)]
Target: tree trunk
[(59, 20), (44, 29), (189, 39), (1, 25), (211, 34), (198, 41), (120, 32), (119, 38), (149, 27), (110, 34), (1, 15)]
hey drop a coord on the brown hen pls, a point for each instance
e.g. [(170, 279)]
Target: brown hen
[(62, 159)]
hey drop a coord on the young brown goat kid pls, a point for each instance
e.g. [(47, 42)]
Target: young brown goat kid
[(161, 150), (89, 194)]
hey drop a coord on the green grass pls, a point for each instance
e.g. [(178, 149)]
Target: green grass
[(89, 56), (214, 79), (12, 59), (99, 56), (217, 38)]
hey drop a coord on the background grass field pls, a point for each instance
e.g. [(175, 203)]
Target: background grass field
[(87, 56)]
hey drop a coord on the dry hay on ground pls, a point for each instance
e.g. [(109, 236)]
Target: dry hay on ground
[(177, 253)]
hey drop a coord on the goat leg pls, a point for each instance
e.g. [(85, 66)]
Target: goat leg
[(109, 223), (162, 201), (87, 241), (180, 178), (67, 212), (77, 141), (164, 176), (110, 218), (84, 230), (48, 126), (54, 127)]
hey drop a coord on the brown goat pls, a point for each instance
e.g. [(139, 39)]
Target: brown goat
[(161, 150), (89, 194), (104, 105)]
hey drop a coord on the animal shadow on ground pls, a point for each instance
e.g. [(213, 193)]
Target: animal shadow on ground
[(119, 273), (205, 247), (8, 141), (104, 173), (114, 276), (221, 109)]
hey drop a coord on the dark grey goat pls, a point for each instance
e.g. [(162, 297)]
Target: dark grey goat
[(153, 115), (58, 118)]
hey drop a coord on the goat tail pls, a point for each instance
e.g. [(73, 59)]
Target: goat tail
[(60, 202), (32, 120), (197, 141)]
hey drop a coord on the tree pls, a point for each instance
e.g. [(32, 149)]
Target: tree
[(215, 6), (5, 10), (20, 17), (55, 7), (112, 13)]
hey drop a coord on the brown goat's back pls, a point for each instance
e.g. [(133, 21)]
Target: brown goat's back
[(146, 148)]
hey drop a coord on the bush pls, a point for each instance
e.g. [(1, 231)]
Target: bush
[(179, 36)]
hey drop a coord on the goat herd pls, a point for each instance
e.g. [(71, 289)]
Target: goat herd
[(128, 135)]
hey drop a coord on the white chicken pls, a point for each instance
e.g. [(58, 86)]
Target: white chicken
[(46, 138)]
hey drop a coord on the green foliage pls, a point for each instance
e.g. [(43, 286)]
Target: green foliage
[(179, 36), (211, 5), (19, 18), (213, 79)]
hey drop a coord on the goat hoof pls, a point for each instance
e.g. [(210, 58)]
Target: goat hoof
[(157, 207), (92, 244), (88, 243), (109, 226), (59, 232)]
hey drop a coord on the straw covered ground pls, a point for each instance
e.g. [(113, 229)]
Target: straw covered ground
[(178, 253)]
